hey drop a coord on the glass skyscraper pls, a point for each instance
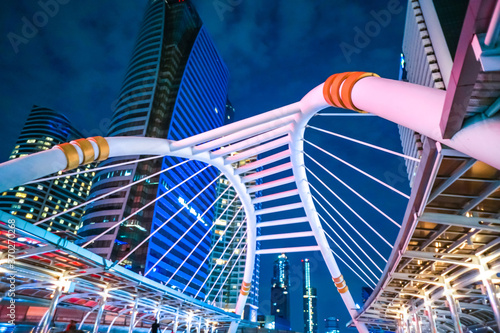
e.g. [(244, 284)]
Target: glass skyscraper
[(280, 297), (175, 87), (309, 299), (45, 128)]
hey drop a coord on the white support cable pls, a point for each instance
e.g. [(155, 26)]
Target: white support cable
[(222, 255), (348, 247), (187, 230), (199, 242), (345, 253), (351, 209), (229, 274), (348, 235), (340, 258), (140, 209), (170, 218), (95, 169), (205, 235), (365, 144), (223, 268), (359, 170), (83, 204), (354, 191), (210, 252), (349, 224)]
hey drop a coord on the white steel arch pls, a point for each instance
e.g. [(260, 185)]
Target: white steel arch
[(407, 104)]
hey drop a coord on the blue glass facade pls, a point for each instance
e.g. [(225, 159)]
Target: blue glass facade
[(200, 106)]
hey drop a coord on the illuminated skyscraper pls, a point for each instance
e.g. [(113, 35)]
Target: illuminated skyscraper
[(309, 299), (44, 129), (280, 297), (175, 87)]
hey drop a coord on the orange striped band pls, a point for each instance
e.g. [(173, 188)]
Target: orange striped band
[(72, 158), (337, 89), (87, 149), (245, 288), (343, 290), (103, 147)]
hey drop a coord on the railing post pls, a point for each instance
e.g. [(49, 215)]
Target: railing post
[(102, 304), (198, 327), (485, 274), (416, 320), (133, 316), (430, 313), (47, 319), (452, 304), (176, 322)]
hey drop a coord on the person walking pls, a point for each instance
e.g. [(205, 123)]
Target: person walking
[(155, 326)]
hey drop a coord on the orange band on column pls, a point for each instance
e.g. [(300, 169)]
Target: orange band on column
[(87, 149), (245, 288), (72, 158), (337, 85), (348, 85), (327, 90), (343, 290), (103, 147), (338, 279)]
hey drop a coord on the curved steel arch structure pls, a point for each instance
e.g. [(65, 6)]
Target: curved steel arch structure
[(407, 104)]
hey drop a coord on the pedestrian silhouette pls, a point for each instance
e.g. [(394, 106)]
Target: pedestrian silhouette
[(155, 327)]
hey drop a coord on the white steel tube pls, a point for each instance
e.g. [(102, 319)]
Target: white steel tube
[(419, 108), (309, 105)]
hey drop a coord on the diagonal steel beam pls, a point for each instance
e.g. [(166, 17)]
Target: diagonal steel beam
[(462, 168), (462, 221), (483, 195)]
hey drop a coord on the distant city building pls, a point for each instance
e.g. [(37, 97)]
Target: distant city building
[(229, 214), (44, 129), (280, 297), (424, 62), (332, 325), (309, 300), (175, 87)]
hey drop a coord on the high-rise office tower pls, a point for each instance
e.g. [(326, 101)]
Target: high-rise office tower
[(309, 300), (332, 325), (230, 225), (280, 298), (45, 128), (175, 87), (430, 41)]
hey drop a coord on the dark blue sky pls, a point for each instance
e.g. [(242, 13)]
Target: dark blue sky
[(276, 51)]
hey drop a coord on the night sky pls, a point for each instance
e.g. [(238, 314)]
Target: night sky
[(276, 51)]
